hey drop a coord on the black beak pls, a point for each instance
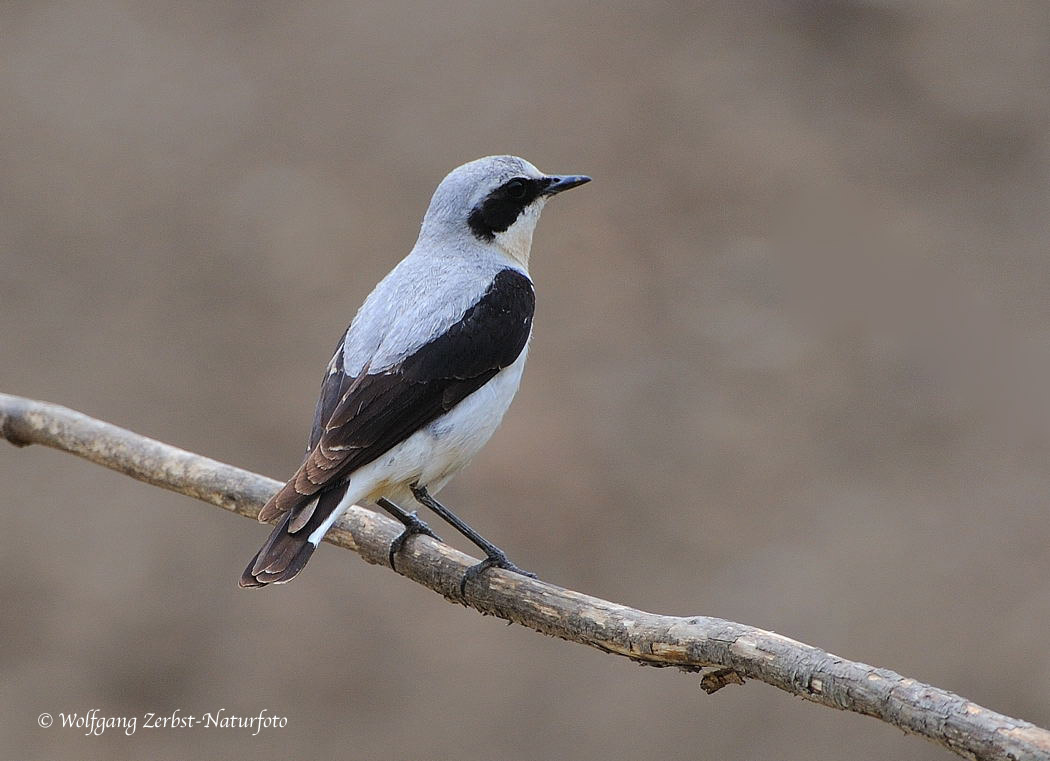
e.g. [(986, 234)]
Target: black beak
[(558, 183)]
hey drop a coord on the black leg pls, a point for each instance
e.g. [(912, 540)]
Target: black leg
[(413, 525), (494, 556)]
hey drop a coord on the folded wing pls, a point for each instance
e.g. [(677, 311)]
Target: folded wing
[(359, 419)]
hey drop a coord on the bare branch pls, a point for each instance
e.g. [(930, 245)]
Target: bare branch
[(689, 643)]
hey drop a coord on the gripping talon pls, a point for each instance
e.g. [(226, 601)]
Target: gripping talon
[(412, 523), (492, 561), (411, 529)]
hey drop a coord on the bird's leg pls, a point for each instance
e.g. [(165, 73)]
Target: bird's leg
[(413, 525), (494, 556)]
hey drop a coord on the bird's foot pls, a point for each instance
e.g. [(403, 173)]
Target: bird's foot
[(412, 523), (495, 559)]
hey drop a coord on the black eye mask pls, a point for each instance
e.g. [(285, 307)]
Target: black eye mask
[(504, 205)]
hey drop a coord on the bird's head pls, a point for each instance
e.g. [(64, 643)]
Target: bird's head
[(495, 200)]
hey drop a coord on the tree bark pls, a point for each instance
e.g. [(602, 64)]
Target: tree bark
[(691, 643)]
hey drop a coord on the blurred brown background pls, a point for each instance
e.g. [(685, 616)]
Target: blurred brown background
[(791, 363)]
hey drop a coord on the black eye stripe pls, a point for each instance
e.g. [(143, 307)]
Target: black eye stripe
[(504, 205), (520, 188)]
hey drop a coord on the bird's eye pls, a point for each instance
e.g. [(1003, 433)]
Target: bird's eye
[(515, 189)]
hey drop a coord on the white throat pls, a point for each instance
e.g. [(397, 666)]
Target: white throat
[(516, 240)]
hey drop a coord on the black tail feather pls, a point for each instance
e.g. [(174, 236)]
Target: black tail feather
[(286, 553), (248, 580)]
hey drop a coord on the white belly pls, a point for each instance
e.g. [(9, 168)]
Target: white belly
[(433, 454)]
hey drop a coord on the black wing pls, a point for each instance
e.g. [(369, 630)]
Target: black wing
[(376, 412), (334, 386)]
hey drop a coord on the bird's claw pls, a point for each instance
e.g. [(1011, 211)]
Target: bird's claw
[(413, 526), (492, 561)]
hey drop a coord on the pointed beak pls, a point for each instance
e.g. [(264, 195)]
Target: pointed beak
[(558, 183)]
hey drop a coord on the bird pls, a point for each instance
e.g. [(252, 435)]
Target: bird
[(422, 377)]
